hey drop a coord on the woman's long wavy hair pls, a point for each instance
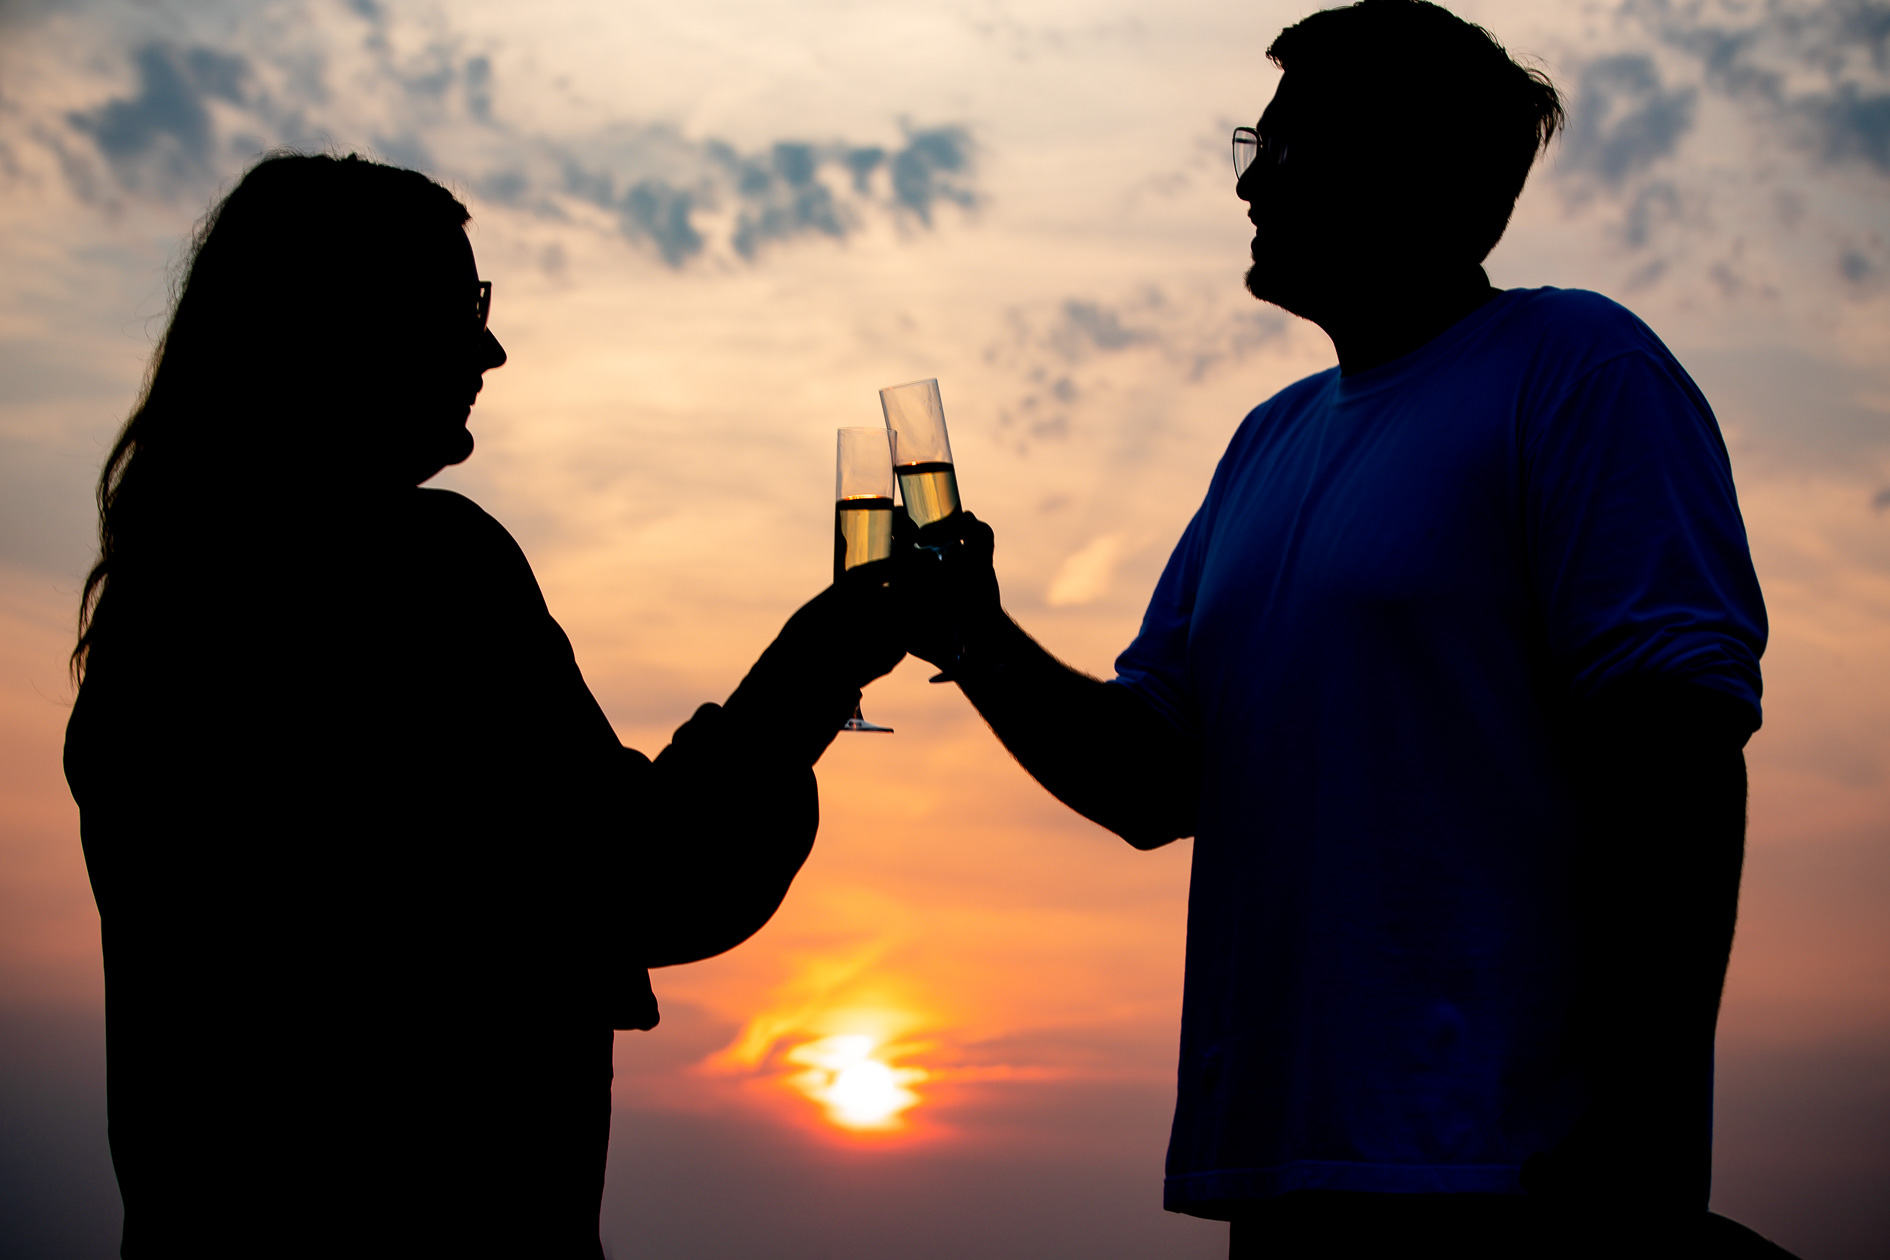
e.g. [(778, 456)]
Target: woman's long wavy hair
[(295, 294)]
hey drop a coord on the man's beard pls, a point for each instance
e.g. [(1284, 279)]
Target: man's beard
[(1253, 282), (1271, 287)]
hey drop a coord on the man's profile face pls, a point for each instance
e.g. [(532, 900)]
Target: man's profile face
[(1323, 216), (1284, 196)]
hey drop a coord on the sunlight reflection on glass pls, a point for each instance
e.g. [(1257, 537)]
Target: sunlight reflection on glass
[(859, 1091)]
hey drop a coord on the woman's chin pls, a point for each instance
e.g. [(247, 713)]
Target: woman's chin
[(455, 450), (461, 447)]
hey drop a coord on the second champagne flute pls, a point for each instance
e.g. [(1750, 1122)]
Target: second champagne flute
[(922, 456), (922, 453), (862, 515)]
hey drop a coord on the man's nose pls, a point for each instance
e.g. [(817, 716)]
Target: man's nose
[(491, 353), (1247, 187)]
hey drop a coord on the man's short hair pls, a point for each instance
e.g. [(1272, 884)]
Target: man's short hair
[(1447, 104)]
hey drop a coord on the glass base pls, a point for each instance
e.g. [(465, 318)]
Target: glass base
[(858, 722)]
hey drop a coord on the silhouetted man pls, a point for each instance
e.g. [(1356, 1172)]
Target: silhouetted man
[(1449, 678)]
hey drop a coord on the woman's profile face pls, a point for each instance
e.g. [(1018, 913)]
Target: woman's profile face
[(439, 353)]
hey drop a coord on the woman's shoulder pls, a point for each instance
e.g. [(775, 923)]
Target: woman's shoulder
[(457, 525), (450, 512), (458, 541)]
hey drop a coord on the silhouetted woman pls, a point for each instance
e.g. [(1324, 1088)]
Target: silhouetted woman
[(375, 877)]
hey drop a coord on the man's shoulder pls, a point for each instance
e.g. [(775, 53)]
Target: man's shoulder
[(1304, 392), (1282, 414), (1574, 329)]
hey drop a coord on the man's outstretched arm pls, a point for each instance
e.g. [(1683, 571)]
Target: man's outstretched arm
[(1098, 747)]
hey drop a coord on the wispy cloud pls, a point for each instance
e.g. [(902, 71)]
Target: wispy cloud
[(1819, 70), (1808, 85), (1625, 119), (164, 130), (1085, 575), (191, 114), (665, 188), (1063, 352)]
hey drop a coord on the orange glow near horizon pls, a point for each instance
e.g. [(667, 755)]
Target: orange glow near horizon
[(836, 1035), (859, 1089)]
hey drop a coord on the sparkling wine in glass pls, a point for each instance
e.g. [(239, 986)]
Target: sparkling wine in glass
[(922, 456), (862, 514), (922, 452)]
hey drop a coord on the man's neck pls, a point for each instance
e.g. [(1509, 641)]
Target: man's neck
[(1385, 321)]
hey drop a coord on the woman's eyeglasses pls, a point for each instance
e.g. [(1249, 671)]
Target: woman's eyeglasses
[(1250, 146), (482, 309)]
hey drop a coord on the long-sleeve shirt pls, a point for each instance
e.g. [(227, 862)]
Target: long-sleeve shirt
[(376, 882)]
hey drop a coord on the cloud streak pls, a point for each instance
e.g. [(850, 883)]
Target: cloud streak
[(1820, 71), (1062, 353), (165, 129), (1625, 119), (1807, 86), (790, 190), (193, 114)]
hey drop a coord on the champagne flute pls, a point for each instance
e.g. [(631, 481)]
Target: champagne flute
[(922, 457), (862, 515), (922, 452)]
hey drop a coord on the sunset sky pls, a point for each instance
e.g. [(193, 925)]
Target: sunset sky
[(714, 230)]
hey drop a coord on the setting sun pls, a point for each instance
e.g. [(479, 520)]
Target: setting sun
[(858, 1090)]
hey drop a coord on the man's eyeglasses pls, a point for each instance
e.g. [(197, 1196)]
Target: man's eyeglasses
[(1250, 146), (482, 308)]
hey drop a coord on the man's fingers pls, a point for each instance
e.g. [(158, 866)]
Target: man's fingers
[(944, 533), (980, 540), (961, 528), (872, 573)]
